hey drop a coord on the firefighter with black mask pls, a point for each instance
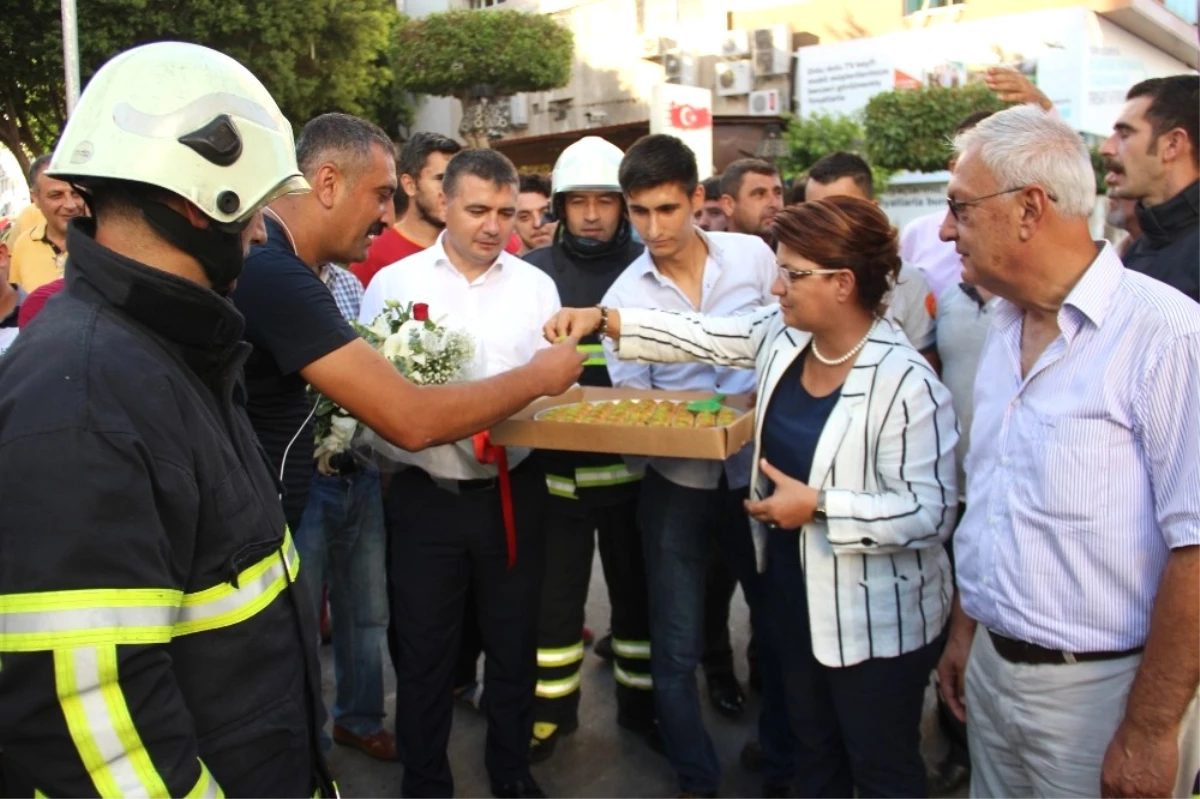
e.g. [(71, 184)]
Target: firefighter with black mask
[(153, 638), (590, 494)]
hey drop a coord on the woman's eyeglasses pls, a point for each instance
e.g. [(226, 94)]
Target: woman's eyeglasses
[(957, 205), (792, 275)]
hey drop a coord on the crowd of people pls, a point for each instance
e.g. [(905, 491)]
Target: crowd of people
[(976, 455)]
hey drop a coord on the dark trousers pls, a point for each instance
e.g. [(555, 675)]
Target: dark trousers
[(570, 533), (858, 727), (449, 545), (719, 584), (676, 524)]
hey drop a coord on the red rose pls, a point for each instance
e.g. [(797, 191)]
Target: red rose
[(420, 312)]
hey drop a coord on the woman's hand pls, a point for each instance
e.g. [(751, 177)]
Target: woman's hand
[(790, 506)]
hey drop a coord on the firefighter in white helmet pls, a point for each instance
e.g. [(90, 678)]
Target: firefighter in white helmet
[(151, 638), (588, 493)]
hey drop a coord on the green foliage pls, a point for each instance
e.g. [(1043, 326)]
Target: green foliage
[(1100, 167), (911, 128), (453, 53), (313, 55), (816, 136)]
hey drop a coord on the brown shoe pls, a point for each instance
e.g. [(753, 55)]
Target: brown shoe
[(379, 745)]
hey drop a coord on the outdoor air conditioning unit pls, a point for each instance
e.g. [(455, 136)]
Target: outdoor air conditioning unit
[(765, 103), (518, 111), (734, 78), (772, 50), (656, 47), (735, 44), (680, 68)]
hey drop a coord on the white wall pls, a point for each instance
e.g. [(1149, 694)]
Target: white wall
[(14, 193)]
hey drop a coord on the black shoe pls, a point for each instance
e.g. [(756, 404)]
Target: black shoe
[(752, 757), (540, 749), (648, 730), (726, 696), (604, 649), (521, 789), (782, 791)]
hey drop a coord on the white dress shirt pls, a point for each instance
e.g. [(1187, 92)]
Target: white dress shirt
[(738, 275), (921, 246), (503, 310), (1085, 474)]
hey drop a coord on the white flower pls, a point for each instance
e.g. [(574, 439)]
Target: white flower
[(341, 429), (396, 345), (409, 327), (381, 327), (418, 358)]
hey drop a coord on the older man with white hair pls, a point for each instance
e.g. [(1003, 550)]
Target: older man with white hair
[(1075, 645)]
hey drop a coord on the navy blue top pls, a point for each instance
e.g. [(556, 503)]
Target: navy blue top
[(794, 423)]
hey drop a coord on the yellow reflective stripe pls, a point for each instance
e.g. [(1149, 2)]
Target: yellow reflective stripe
[(206, 787), (596, 361), (122, 724), (590, 347), (223, 605), (38, 622), (38, 794), (551, 658), (632, 680), (595, 353), (560, 486), (639, 650), (77, 678), (554, 689), (605, 475)]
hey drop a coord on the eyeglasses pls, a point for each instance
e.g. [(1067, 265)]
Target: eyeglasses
[(958, 205), (792, 275)]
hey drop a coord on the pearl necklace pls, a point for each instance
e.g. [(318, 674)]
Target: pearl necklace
[(853, 351)]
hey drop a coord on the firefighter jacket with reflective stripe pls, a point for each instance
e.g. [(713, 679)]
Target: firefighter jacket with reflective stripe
[(591, 480), (152, 639)]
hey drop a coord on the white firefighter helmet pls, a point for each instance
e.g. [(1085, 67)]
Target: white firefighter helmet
[(186, 119), (590, 164)]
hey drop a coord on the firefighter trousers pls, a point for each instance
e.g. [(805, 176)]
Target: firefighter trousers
[(570, 533)]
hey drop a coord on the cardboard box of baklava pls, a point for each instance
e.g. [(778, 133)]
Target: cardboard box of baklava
[(632, 422)]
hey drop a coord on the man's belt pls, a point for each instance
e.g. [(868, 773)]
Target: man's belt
[(1021, 652)]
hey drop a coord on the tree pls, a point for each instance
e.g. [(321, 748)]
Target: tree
[(812, 138), (475, 56), (313, 55), (911, 128)]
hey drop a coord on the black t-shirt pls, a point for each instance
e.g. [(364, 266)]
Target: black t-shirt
[(292, 320)]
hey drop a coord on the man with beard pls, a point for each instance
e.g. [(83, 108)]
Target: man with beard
[(533, 207), (1153, 157), (420, 168), (590, 495), (712, 216), (751, 195)]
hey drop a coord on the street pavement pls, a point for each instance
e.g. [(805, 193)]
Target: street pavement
[(598, 760)]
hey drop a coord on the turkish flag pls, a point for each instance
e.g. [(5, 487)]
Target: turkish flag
[(689, 117)]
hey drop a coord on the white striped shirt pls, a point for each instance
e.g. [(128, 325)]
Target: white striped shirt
[(1083, 476)]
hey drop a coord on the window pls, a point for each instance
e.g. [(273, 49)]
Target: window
[(477, 4), (914, 6), (1184, 9)]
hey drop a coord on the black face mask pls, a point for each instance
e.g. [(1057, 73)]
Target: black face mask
[(217, 248)]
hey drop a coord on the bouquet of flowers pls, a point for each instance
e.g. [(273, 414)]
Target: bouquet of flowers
[(421, 349)]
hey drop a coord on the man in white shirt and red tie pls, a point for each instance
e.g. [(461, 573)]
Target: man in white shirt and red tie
[(454, 535), (1077, 624)]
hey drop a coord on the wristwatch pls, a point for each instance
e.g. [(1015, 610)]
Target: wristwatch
[(819, 511)]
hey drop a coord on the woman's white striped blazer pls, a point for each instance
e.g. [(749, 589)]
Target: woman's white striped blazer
[(877, 576)]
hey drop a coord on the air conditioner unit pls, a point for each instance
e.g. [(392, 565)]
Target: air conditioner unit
[(735, 44), (734, 78), (656, 47), (679, 68), (518, 111), (771, 49), (765, 103)]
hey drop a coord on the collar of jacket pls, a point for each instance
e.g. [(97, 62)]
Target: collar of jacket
[(204, 326), (1162, 224)]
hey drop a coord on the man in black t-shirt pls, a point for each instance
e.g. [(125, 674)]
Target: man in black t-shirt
[(301, 339)]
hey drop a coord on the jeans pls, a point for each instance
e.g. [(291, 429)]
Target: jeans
[(341, 541), (676, 526)]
